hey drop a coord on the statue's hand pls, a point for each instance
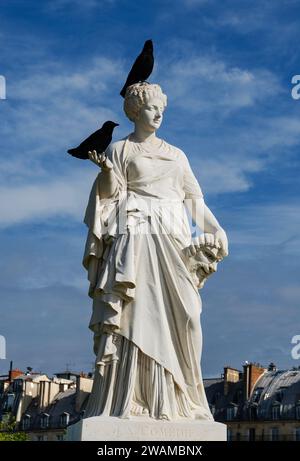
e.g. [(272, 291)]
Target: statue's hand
[(101, 160), (203, 241), (217, 241), (221, 241)]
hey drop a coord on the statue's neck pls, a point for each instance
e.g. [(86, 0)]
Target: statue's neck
[(141, 135)]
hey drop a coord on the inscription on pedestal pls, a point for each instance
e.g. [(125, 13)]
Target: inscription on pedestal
[(113, 429)]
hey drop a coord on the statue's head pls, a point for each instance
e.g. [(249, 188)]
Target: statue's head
[(145, 103)]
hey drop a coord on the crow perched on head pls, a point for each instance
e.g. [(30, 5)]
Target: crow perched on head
[(98, 141), (141, 68)]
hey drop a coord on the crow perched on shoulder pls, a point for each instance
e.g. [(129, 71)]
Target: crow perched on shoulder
[(141, 68), (98, 141)]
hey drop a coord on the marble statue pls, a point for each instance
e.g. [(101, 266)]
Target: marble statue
[(145, 271)]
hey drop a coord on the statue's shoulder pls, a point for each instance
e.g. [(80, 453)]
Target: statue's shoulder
[(116, 146), (178, 153)]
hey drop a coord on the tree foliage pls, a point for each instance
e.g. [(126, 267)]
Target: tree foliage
[(8, 432)]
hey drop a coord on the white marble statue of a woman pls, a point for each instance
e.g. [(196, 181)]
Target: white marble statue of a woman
[(146, 305)]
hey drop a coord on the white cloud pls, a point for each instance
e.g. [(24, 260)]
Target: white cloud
[(52, 108), (206, 85), (227, 161), (66, 196), (275, 224), (56, 105), (52, 79), (220, 177), (206, 92)]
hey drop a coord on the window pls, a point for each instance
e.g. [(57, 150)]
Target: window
[(274, 434), (253, 411), (26, 422), (251, 437), (297, 434), (60, 437), (257, 394), (64, 419), (231, 413), (298, 411), (229, 435), (280, 393), (8, 403), (275, 412), (44, 421)]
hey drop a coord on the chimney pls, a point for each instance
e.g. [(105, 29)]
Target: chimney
[(47, 392), (83, 389), (13, 374), (252, 371), (272, 367), (231, 375)]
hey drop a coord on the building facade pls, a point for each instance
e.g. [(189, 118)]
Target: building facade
[(257, 404), (43, 407)]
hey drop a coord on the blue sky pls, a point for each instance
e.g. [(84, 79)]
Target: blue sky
[(226, 68)]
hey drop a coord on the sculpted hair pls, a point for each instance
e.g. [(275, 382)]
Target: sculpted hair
[(139, 94)]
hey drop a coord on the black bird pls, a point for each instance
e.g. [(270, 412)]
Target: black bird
[(142, 67), (98, 141)]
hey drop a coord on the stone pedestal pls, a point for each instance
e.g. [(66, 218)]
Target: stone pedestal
[(114, 429)]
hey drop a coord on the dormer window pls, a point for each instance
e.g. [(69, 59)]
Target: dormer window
[(45, 421), (231, 412), (257, 394), (9, 402), (253, 411), (26, 422), (276, 411), (64, 419)]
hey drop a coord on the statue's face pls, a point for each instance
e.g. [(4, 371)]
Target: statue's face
[(151, 115)]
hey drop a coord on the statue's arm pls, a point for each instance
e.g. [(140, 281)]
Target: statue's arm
[(206, 221), (108, 183), (202, 215), (214, 234)]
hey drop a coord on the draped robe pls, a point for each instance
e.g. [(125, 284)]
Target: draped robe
[(146, 308)]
